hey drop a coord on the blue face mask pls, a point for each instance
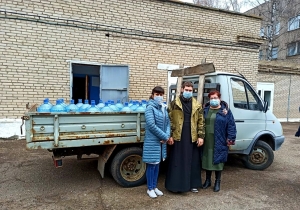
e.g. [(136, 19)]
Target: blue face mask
[(187, 94), (214, 102), (158, 99)]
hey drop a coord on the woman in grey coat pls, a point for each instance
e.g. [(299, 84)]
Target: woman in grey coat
[(157, 133)]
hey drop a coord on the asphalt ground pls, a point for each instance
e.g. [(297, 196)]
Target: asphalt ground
[(28, 180)]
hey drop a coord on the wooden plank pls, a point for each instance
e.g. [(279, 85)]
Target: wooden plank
[(179, 82), (177, 73), (201, 80), (200, 89), (200, 69)]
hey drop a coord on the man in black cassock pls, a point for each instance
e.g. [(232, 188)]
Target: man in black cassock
[(187, 134)]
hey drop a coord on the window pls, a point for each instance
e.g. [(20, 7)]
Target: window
[(274, 53), (262, 32), (277, 28), (269, 31), (294, 23), (244, 97), (260, 55), (293, 48)]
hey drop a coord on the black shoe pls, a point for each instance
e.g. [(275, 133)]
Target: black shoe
[(218, 181), (207, 183), (217, 186)]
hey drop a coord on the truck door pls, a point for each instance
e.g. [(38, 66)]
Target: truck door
[(114, 80), (247, 110)]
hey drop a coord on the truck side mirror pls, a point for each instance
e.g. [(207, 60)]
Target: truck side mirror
[(266, 106)]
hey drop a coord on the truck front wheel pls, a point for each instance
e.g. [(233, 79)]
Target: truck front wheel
[(261, 157), (127, 167)]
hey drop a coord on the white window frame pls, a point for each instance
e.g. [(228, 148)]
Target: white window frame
[(277, 28), (268, 31), (262, 32), (296, 49), (294, 23), (274, 55)]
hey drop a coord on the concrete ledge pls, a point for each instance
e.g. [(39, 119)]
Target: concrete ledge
[(290, 120), (10, 129)]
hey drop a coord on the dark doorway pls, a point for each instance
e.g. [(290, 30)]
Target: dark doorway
[(78, 88), (86, 84)]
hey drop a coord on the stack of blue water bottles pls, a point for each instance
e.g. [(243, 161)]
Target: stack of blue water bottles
[(92, 107)]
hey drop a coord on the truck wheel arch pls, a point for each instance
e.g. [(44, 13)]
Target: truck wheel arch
[(265, 136)]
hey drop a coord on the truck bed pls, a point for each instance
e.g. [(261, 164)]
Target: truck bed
[(80, 129)]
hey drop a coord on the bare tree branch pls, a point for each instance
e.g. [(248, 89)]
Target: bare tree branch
[(274, 12)]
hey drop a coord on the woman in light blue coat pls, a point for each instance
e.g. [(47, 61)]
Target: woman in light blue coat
[(157, 134)]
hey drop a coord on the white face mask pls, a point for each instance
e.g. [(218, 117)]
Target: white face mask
[(158, 99)]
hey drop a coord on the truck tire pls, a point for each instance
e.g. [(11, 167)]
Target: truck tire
[(127, 167), (261, 156)]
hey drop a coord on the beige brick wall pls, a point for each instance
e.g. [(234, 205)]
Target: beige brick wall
[(281, 93), (33, 55)]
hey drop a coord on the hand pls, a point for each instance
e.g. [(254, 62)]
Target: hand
[(200, 142), (171, 141), (230, 142), (163, 141)]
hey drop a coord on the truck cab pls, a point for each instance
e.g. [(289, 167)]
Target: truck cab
[(259, 132)]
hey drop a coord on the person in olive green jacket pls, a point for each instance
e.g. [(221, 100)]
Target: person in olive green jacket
[(187, 134)]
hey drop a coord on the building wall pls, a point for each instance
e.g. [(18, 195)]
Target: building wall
[(286, 9), (282, 84), (33, 55)]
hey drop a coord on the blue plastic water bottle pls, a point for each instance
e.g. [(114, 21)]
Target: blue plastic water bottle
[(119, 105), (140, 108), (93, 107), (58, 107), (134, 106), (113, 106), (79, 104), (130, 103), (85, 106), (72, 107), (144, 103), (100, 105), (63, 102), (49, 102), (106, 108), (45, 107), (126, 108)]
